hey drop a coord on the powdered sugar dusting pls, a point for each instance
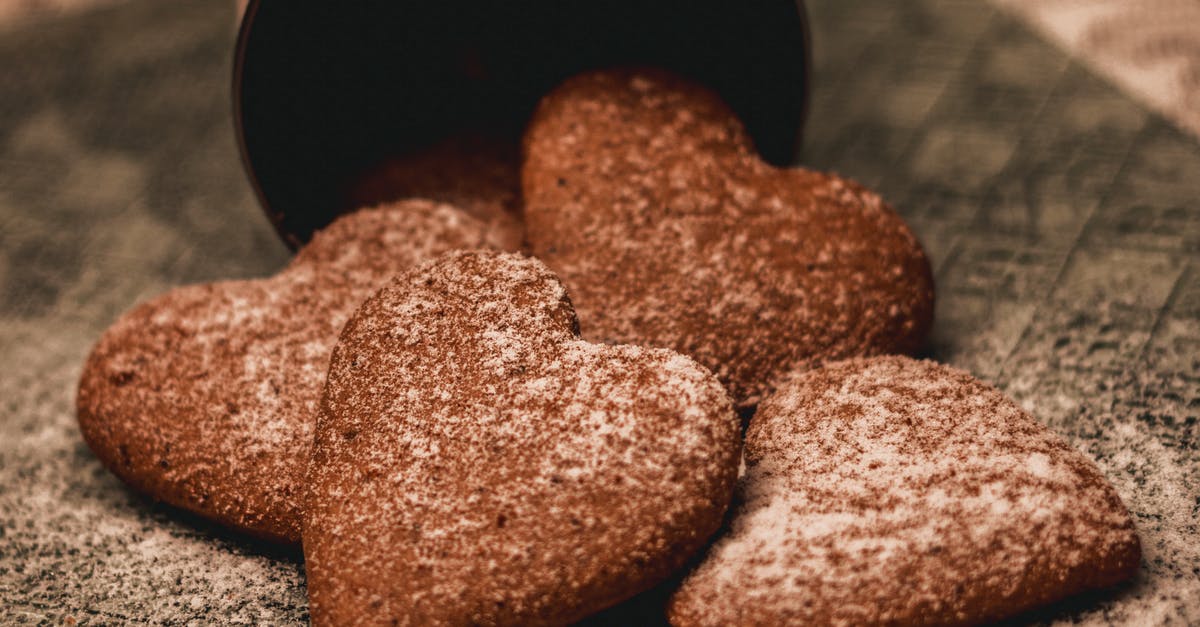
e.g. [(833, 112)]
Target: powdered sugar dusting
[(887, 489), (476, 462), (644, 193), (206, 397)]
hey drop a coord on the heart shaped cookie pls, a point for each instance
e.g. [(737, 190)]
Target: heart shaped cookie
[(644, 194), (893, 491), (475, 462), (206, 396)]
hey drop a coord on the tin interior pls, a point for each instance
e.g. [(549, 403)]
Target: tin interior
[(323, 90)]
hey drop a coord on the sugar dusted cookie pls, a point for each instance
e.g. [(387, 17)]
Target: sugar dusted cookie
[(902, 492), (206, 396), (644, 194), (475, 462)]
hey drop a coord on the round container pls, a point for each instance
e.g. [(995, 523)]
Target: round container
[(324, 90)]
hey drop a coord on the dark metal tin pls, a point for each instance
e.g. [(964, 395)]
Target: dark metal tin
[(324, 90)]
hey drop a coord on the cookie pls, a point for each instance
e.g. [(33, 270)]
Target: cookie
[(475, 462), (206, 396), (644, 194), (901, 492), (476, 172)]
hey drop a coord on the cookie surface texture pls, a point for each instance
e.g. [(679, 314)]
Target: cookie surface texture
[(477, 463), (893, 491), (206, 396), (644, 194)]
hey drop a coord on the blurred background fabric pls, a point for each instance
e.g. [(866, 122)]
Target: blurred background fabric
[(1151, 48), (1061, 214), (17, 11)]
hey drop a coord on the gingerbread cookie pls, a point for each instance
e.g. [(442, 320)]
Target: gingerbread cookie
[(477, 172), (644, 194), (902, 492), (475, 462), (206, 397)]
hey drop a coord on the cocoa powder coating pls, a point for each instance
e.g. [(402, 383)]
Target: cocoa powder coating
[(644, 193), (890, 491), (206, 396), (476, 462)]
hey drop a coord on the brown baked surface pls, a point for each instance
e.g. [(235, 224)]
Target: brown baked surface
[(474, 171), (893, 491), (475, 462), (644, 194), (205, 397)]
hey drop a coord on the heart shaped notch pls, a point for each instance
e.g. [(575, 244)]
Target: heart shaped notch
[(476, 462), (644, 193), (206, 397)]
